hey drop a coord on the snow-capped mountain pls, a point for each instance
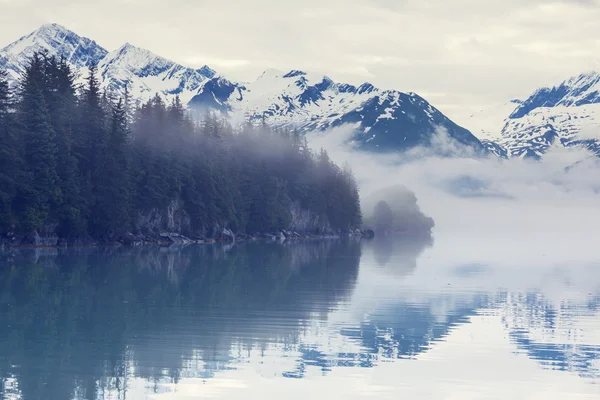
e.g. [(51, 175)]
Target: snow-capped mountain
[(144, 72), (576, 91), (148, 74), (566, 115), (57, 41), (383, 120)]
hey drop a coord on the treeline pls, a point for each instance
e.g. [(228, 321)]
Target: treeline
[(78, 161)]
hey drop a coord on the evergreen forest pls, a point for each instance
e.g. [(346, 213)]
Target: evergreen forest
[(76, 160)]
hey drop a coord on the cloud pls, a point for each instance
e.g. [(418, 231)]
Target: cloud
[(490, 197)]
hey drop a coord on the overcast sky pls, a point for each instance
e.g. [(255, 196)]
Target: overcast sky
[(461, 55)]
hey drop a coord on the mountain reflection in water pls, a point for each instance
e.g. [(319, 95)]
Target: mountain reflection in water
[(139, 322)]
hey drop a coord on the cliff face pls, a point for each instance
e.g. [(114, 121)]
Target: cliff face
[(159, 224)]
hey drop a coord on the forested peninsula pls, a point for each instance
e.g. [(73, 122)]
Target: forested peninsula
[(79, 166)]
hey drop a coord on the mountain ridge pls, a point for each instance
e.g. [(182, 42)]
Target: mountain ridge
[(55, 39), (383, 120)]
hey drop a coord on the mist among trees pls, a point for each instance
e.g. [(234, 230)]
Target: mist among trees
[(396, 212), (78, 161)]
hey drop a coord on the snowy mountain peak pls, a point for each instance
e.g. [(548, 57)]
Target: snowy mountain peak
[(293, 73), (127, 48), (45, 33), (139, 61), (147, 73), (207, 71), (566, 115), (576, 91), (50, 30), (55, 40), (583, 79), (368, 88)]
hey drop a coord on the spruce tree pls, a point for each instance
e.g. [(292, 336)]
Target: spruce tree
[(112, 212), (62, 106), (38, 192), (91, 148), (10, 160)]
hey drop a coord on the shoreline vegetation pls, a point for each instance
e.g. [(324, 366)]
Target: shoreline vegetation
[(82, 166)]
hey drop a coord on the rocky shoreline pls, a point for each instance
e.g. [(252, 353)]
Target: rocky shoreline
[(41, 240)]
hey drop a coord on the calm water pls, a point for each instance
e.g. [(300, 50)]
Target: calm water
[(328, 319)]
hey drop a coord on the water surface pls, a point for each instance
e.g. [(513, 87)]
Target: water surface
[(322, 319)]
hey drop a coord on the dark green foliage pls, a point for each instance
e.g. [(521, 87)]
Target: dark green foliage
[(87, 163), (111, 209), (10, 160), (62, 107), (39, 191)]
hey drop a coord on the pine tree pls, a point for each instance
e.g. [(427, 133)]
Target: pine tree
[(39, 191), (112, 213), (92, 121), (91, 147), (62, 106), (128, 104), (10, 160)]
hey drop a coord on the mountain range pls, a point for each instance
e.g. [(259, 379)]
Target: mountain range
[(566, 115), (381, 120), (144, 72)]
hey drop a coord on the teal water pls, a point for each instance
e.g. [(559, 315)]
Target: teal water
[(324, 319)]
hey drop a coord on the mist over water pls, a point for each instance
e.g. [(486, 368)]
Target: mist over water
[(502, 302), (549, 207)]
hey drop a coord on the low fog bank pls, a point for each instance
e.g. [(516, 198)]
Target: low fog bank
[(489, 198)]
